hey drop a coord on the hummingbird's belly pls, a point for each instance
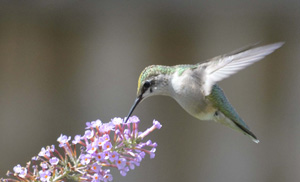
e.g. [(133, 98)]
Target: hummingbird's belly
[(199, 108), (206, 113)]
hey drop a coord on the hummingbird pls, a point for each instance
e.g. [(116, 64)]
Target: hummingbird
[(194, 86)]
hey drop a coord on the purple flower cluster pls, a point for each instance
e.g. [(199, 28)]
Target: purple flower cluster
[(104, 145)]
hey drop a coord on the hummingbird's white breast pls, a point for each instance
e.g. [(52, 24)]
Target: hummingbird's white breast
[(187, 91)]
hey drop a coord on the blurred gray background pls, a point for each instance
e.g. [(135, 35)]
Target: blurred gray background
[(63, 63)]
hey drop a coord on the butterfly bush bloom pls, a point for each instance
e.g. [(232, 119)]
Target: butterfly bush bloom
[(104, 146)]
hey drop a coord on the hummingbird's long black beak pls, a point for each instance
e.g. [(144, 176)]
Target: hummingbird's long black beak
[(136, 102)]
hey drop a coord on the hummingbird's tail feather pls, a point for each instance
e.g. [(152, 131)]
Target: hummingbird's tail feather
[(235, 125), (226, 114), (247, 132)]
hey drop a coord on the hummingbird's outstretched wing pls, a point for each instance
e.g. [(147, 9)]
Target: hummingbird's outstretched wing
[(221, 67)]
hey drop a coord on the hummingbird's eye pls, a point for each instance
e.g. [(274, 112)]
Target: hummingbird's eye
[(147, 84)]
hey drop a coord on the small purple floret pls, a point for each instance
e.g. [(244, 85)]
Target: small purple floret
[(63, 139), (54, 161), (96, 123), (85, 159), (157, 124), (45, 175), (89, 134), (18, 168), (117, 121), (77, 139), (44, 152), (44, 165), (133, 119), (121, 163)]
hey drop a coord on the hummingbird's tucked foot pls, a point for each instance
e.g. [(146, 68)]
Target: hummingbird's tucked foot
[(194, 86)]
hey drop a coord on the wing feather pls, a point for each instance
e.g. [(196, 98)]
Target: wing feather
[(222, 67)]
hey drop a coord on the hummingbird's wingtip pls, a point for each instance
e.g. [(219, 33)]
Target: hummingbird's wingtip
[(279, 44)]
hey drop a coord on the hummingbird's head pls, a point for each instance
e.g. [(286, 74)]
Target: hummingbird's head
[(152, 81)]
